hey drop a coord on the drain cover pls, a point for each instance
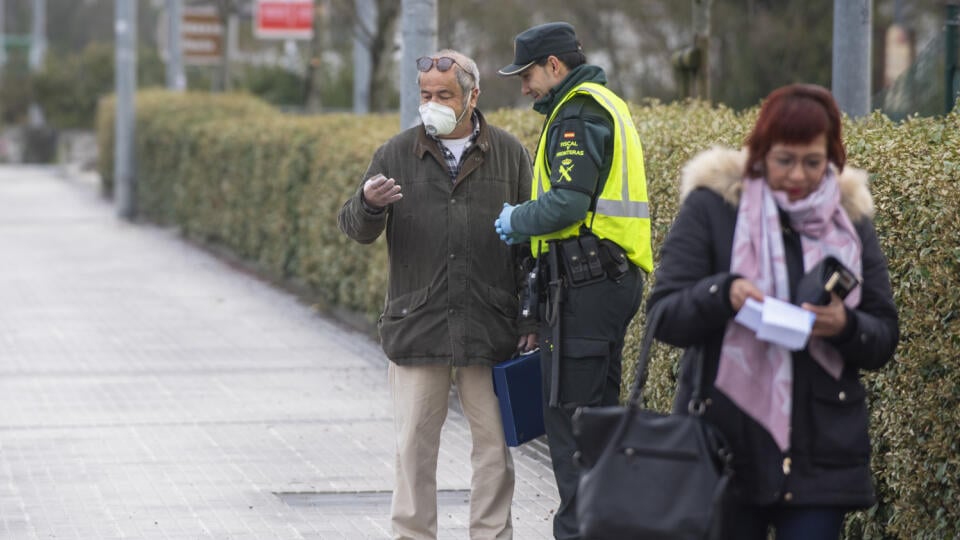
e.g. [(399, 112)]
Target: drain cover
[(445, 497)]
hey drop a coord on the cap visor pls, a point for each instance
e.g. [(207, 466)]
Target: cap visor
[(513, 69)]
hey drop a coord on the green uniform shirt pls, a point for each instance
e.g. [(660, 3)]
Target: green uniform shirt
[(574, 178)]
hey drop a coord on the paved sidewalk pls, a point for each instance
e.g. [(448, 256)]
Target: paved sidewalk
[(149, 390)]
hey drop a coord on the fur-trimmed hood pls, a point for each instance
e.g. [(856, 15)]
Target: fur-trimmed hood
[(721, 170)]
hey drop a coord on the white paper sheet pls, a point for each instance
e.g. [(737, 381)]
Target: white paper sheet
[(750, 314), (778, 322)]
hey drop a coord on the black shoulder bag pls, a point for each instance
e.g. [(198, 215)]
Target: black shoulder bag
[(648, 475)]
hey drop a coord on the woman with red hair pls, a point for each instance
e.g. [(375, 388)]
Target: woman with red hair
[(752, 223)]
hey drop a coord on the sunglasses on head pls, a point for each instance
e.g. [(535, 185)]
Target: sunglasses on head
[(443, 63)]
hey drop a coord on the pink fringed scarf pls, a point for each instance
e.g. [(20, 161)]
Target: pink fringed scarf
[(758, 376)]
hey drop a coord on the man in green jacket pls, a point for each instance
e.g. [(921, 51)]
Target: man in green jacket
[(451, 309), (588, 224)]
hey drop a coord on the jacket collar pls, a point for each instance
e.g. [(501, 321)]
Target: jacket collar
[(580, 74), (721, 170)]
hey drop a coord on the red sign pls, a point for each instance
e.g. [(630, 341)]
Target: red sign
[(283, 19)]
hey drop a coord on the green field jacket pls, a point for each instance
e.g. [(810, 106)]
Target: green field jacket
[(452, 295)]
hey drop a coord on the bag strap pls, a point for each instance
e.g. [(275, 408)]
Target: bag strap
[(634, 402), (640, 374), (696, 405)]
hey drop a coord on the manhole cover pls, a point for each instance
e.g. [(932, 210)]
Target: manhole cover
[(445, 497)]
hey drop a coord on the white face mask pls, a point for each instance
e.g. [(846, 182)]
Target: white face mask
[(439, 120)]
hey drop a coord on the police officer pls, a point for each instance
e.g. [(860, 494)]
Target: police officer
[(588, 226)]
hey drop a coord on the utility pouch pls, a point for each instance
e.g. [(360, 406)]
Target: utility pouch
[(581, 266), (614, 259), (591, 250)]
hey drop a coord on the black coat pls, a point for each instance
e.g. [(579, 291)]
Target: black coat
[(828, 462)]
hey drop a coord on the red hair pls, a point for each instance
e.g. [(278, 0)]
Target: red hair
[(795, 114)]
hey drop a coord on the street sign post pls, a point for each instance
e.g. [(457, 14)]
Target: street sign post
[(283, 19)]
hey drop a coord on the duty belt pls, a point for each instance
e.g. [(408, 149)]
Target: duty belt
[(586, 259)]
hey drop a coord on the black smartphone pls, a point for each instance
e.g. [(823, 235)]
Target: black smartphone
[(840, 280), (829, 275)]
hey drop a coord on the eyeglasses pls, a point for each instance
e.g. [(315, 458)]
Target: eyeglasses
[(443, 63)]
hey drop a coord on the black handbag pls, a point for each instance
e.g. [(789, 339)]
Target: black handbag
[(648, 475)]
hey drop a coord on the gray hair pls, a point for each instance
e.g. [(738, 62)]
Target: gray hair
[(468, 76)]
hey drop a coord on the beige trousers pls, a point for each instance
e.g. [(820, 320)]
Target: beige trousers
[(420, 404)]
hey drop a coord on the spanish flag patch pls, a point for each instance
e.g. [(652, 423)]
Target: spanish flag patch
[(569, 134)]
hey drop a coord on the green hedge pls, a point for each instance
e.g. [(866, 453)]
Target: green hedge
[(230, 171)]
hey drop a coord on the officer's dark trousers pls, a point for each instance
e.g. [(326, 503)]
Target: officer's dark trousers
[(594, 321)]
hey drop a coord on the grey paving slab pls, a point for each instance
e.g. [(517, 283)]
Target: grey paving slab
[(150, 390)]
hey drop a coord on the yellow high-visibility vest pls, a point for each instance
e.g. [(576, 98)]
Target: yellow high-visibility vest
[(622, 212)]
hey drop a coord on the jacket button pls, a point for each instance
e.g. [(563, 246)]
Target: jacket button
[(404, 311), (452, 256), (863, 339), (842, 396), (788, 496), (450, 310), (714, 288), (453, 201)]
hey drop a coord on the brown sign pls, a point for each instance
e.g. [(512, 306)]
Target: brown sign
[(202, 36)]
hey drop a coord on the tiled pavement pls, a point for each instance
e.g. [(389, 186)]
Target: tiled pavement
[(150, 390)]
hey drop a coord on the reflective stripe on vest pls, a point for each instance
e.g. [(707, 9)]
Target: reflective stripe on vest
[(619, 216)]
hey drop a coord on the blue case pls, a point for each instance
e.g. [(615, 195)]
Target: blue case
[(518, 388)]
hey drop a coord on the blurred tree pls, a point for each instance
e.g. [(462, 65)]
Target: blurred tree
[(15, 90), (275, 85), (70, 84), (79, 62), (311, 83), (484, 31), (762, 44), (630, 39), (383, 47), (72, 24), (756, 44), (633, 41)]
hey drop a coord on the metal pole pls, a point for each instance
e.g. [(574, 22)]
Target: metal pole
[(38, 35), (126, 83), (952, 64), (419, 23), (852, 37), (176, 80), (3, 38), (362, 64), (38, 50), (231, 45)]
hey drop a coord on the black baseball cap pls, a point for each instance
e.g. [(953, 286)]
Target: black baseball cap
[(539, 42)]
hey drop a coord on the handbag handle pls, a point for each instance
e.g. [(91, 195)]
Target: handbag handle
[(695, 406)]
